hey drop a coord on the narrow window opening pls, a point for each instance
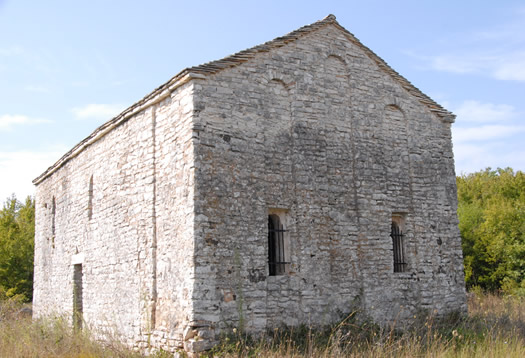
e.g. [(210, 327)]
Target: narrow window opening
[(398, 247), (77, 297), (90, 198), (276, 246), (53, 212)]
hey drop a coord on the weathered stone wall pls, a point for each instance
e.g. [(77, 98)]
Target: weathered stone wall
[(317, 130), (112, 245), (131, 231), (174, 213)]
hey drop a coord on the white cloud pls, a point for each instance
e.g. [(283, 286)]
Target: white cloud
[(98, 111), (485, 132), (478, 121), (507, 65), (470, 158), (512, 31), (80, 83), (20, 168), (487, 135), (511, 69), (478, 112), (37, 88), (7, 121), (494, 51), (11, 51), (117, 83), (454, 64)]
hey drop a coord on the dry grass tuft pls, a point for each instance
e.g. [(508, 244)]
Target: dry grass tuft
[(52, 337), (495, 327)]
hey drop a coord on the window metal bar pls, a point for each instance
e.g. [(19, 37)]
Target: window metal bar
[(399, 254), (280, 241), (276, 250)]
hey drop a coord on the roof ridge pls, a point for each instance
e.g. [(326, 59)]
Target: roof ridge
[(249, 53)]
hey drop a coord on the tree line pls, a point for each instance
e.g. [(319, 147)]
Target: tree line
[(491, 210), (17, 233)]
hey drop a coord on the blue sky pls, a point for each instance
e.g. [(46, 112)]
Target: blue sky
[(68, 66)]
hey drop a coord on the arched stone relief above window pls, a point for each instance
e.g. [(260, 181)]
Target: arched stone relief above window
[(395, 121), (396, 154), (340, 59), (335, 73), (332, 89), (286, 81), (279, 87)]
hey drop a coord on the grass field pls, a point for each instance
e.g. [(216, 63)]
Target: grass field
[(494, 327)]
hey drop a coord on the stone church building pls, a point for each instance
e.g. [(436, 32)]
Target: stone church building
[(289, 183)]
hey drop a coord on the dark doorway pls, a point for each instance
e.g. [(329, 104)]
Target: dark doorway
[(77, 297)]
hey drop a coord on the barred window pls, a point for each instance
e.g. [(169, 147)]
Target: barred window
[(276, 246), (398, 248)]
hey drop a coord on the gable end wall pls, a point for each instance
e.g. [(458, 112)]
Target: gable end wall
[(317, 130)]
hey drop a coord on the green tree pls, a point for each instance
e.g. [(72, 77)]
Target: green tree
[(17, 232), (491, 209)]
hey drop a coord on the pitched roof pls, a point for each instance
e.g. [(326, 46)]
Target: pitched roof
[(201, 71)]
